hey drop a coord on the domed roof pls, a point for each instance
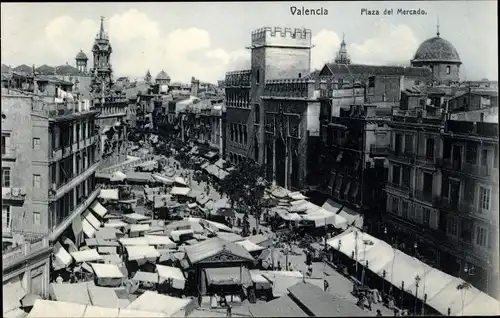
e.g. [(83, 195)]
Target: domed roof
[(81, 56), (162, 76), (436, 49)]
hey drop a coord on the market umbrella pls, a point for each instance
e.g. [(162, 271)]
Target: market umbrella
[(29, 300)]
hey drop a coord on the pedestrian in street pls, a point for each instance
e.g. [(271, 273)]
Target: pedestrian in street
[(396, 312), (290, 268), (325, 285), (379, 313), (254, 231), (369, 300), (228, 311), (310, 269), (59, 279), (279, 266)]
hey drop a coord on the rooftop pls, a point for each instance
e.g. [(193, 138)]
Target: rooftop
[(436, 49), (362, 71)]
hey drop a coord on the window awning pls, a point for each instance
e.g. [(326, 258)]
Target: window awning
[(98, 209), (62, 258), (87, 215), (88, 229)]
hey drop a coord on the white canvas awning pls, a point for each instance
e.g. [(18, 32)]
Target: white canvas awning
[(163, 179), (154, 302), (62, 258), (98, 209), (180, 191), (107, 233), (180, 180), (87, 228), (146, 277), (115, 224), (118, 176), (112, 259), (86, 256), (137, 252), (250, 246), (139, 227), (135, 217), (127, 241), (13, 292), (176, 235), (106, 270), (160, 240), (174, 273), (109, 194), (56, 309), (192, 205)]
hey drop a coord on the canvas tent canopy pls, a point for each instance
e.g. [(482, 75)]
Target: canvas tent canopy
[(86, 256), (107, 270), (173, 273)]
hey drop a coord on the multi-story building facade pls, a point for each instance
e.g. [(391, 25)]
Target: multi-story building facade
[(240, 115), (441, 181), (48, 170)]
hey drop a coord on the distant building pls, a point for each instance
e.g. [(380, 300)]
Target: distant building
[(441, 57)]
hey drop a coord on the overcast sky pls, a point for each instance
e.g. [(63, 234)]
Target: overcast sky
[(207, 39)]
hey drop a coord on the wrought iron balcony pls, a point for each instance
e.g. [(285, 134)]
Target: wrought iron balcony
[(456, 206), (376, 150), (17, 194), (394, 187), (424, 196), (406, 157)]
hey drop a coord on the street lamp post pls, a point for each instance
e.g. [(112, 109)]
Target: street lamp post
[(402, 293), (423, 305), (417, 281), (384, 274)]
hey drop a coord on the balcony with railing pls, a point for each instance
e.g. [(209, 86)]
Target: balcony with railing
[(456, 166), (418, 112), (13, 194), (455, 205), (9, 153), (18, 254), (379, 150), (399, 188), (424, 196), (61, 111), (427, 160), (402, 156), (77, 179)]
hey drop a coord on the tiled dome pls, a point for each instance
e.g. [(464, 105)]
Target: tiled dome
[(436, 49), (162, 76), (81, 56)]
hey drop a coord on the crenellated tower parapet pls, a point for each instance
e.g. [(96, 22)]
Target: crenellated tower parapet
[(282, 37), (238, 78), (290, 88)]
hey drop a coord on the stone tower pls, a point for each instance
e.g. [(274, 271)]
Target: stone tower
[(342, 56), (81, 61), (101, 71), (277, 53)]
